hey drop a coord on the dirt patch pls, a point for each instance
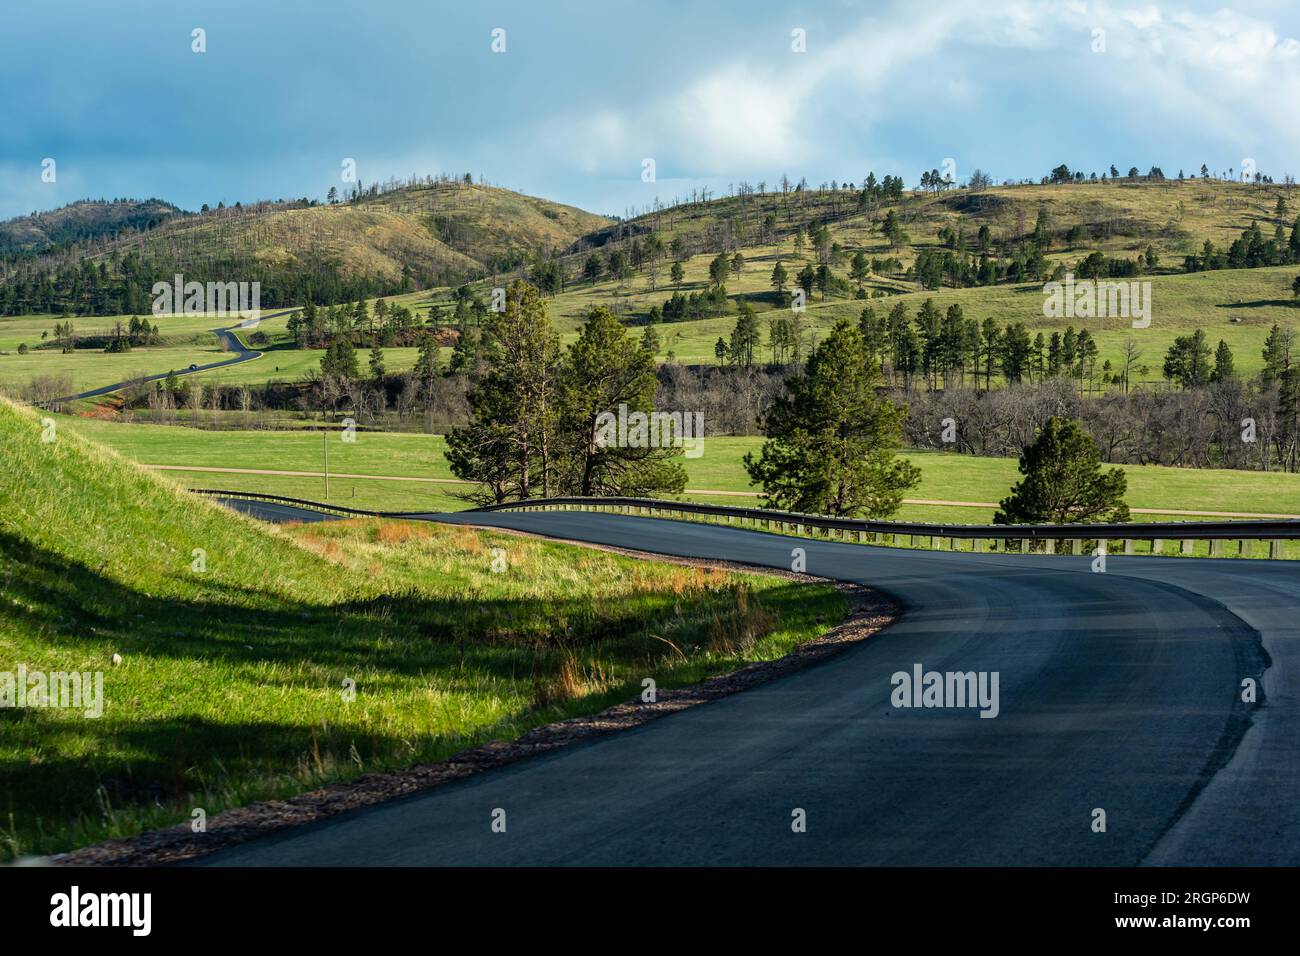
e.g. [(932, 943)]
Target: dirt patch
[(870, 611)]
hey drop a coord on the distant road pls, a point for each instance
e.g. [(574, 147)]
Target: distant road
[(1120, 692), (224, 335)]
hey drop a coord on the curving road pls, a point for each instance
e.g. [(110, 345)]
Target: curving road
[(224, 335), (1118, 691)]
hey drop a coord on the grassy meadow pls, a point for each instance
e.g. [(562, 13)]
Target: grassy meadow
[(945, 476)]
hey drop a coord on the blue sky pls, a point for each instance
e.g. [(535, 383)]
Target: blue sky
[(584, 92)]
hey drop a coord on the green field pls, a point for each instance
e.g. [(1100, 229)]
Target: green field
[(231, 676), (87, 370), (1238, 306), (945, 476)]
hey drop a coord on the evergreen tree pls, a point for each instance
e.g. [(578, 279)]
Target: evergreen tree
[(831, 441), (1188, 360), (650, 340), (339, 361), (606, 369), (509, 447), (779, 278), (745, 338), (1223, 364), (1063, 482)]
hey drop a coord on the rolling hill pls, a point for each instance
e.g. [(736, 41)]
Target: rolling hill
[(421, 240), (86, 221), (427, 233)]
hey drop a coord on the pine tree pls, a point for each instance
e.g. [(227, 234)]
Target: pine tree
[(745, 338), (1223, 364), (605, 369), (1063, 482), (509, 446), (339, 361), (779, 278), (650, 340), (832, 440)]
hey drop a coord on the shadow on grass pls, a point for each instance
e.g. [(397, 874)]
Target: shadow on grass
[(59, 771), (1259, 304)]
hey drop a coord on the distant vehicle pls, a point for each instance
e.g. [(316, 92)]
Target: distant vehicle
[(194, 367)]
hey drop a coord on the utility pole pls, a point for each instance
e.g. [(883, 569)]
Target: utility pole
[(325, 446)]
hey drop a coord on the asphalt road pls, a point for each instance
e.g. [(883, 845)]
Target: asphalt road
[(1119, 691), (224, 336)]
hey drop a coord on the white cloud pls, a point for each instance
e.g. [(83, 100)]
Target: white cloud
[(1194, 75)]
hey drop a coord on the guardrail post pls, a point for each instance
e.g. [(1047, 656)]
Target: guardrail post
[(1245, 547), (1277, 549), (1186, 545), (1049, 546), (1216, 547), (1076, 546), (1128, 546), (1157, 545)]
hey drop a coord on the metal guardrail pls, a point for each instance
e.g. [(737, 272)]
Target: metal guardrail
[(1144, 531), (1278, 530), (321, 506)]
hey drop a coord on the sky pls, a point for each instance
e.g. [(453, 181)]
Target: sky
[(584, 93)]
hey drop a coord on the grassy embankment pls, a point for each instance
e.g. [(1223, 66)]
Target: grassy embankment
[(230, 687)]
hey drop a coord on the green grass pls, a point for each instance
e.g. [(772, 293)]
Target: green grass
[(944, 476), (230, 686)]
